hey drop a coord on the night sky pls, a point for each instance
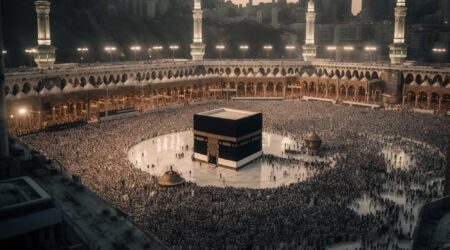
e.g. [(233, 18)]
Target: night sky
[(356, 3)]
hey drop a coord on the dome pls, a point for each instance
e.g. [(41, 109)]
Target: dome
[(170, 178), (313, 143)]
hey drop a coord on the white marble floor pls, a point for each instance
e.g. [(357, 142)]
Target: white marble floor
[(156, 155)]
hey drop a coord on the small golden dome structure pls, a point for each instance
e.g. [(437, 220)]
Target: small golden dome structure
[(170, 179), (313, 143)]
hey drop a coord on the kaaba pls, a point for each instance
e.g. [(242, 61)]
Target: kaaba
[(227, 138)]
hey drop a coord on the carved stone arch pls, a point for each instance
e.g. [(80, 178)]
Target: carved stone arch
[(200, 70), (83, 81), (91, 80), (63, 83), (375, 75), (438, 78), (124, 77), (275, 70), (15, 89), (26, 87)]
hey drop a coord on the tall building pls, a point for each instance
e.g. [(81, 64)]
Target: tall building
[(445, 7), (331, 11), (377, 10)]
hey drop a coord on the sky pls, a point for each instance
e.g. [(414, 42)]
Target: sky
[(356, 3)]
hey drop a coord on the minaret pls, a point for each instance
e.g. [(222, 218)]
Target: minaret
[(197, 47), (310, 49), (274, 13), (45, 52), (399, 50)]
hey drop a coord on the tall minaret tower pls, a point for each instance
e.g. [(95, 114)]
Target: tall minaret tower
[(399, 50), (310, 49), (197, 47), (274, 14), (45, 52)]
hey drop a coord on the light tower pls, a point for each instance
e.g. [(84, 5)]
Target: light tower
[(197, 47), (274, 14), (45, 52), (399, 50), (310, 49)]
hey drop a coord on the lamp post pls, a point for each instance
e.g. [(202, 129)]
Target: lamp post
[(439, 52), (290, 49), (31, 53), (22, 113), (82, 51), (173, 48), (220, 48), (135, 49), (370, 50), (268, 49), (157, 49), (244, 49), (107, 99), (332, 50), (348, 49), (110, 50)]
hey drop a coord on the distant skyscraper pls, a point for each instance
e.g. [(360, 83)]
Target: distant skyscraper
[(330, 11), (445, 6)]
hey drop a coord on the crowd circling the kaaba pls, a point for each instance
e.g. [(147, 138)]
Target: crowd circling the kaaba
[(317, 212)]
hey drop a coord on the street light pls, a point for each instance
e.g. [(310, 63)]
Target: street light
[(157, 49), (220, 48), (23, 111), (82, 51), (31, 53), (135, 49), (173, 48), (290, 49), (268, 48), (370, 50), (439, 52), (348, 49), (332, 49), (244, 49), (110, 50)]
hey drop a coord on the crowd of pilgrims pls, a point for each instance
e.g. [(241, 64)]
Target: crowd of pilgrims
[(317, 212)]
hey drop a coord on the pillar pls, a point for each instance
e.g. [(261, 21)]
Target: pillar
[(45, 52), (399, 50), (65, 112), (447, 170), (274, 15), (310, 49), (53, 114), (197, 47), (4, 145)]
